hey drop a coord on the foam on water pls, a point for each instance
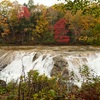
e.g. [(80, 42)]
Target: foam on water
[(77, 61), (21, 62)]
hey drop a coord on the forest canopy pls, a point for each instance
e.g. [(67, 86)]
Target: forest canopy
[(72, 22)]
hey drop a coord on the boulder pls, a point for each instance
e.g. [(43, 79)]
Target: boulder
[(65, 73), (3, 66), (2, 84), (35, 56), (59, 65), (59, 61)]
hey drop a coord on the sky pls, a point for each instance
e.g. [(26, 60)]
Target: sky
[(44, 2)]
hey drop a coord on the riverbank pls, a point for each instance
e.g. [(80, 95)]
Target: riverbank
[(52, 47)]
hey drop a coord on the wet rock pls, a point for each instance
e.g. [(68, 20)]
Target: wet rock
[(2, 67), (59, 65), (36, 56), (65, 73), (2, 83), (55, 71), (44, 57), (59, 61)]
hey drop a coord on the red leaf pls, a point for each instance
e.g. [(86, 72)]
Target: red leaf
[(24, 13), (60, 31)]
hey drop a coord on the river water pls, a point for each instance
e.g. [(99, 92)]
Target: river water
[(49, 60)]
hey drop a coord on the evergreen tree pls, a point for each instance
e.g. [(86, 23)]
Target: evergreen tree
[(30, 4)]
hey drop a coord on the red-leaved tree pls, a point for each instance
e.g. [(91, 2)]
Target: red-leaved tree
[(60, 31), (24, 13)]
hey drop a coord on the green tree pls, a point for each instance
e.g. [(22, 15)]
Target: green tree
[(76, 5), (42, 26), (30, 4)]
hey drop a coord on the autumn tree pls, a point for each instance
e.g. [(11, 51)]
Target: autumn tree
[(5, 7), (75, 21), (24, 13), (54, 13), (82, 25), (41, 26), (60, 31), (20, 24)]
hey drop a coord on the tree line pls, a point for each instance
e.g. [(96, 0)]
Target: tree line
[(72, 22)]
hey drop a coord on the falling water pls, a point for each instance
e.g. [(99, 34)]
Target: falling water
[(17, 62)]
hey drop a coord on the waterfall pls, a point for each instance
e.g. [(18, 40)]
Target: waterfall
[(89, 59), (14, 63), (23, 62)]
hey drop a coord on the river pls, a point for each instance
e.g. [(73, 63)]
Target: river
[(49, 60)]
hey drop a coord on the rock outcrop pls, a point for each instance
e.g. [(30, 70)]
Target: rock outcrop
[(2, 84), (60, 64)]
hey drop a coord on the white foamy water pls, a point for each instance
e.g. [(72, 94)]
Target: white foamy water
[(15, 63), (23, 63), (77, 61)]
